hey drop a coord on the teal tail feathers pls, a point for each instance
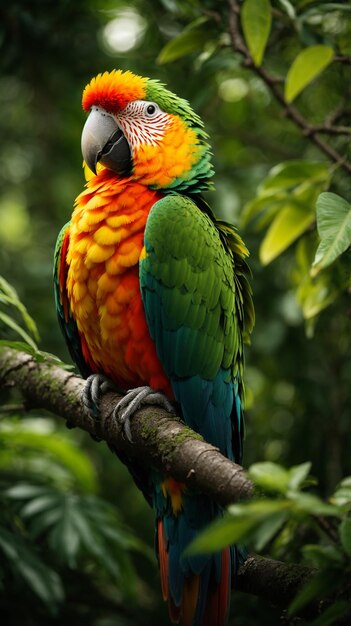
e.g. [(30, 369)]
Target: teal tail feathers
[(197, 589)]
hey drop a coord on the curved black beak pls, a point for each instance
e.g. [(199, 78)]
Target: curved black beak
[(103, 140)]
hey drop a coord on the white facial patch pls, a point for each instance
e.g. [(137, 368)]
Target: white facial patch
[(143, 123)]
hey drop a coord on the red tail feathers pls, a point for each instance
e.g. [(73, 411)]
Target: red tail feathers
[(217, 602), (174, 611)]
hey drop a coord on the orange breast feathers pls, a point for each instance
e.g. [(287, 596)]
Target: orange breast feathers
[(106, 241)]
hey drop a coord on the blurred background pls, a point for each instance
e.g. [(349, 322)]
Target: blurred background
[(298, 367)]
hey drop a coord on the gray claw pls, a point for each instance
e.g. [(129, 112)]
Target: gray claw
[(95, 387), (133, 400)]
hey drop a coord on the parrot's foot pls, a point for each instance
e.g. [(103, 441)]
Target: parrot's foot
[(95, 387), (133, 400)]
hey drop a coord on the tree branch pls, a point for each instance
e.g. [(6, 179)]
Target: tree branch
[(272, 82), (162, 441), (158, 439)]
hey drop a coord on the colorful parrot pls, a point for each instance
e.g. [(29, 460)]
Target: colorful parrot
[(152, 291)]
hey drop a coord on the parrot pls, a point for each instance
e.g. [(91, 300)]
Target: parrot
[(153, 293)]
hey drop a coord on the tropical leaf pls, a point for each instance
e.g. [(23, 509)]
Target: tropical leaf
[(243, 523), (191, 39), (273, 477), (78, 529), (342, 495), (256, 19), (291, 222), (308, 64), (334, 228), (285, 203), (298, 475), (290, 174), (270, 476)]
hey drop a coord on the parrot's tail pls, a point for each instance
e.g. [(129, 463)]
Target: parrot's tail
[(197, 592)]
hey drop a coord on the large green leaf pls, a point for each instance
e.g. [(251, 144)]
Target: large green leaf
[(273, 477), (308, 64), (191, 39), (291, 182), (248, 522), (342, 495), (78, 528), (309, 503), (256, 18), (287, 226), (334, 228), (298, 475), (292, 173), (270, 476), (268, 529)]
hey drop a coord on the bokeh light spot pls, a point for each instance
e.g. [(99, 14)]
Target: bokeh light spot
[(124, 32)]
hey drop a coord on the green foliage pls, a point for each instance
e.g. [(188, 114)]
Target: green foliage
[(9, 298), (256, 19), (78, 530), (308, 64), (192, 39), (38, 446), (297, 388), (258, 521), (23, 562), (53, 523), (263, 521), (334, 229), (286, 201)]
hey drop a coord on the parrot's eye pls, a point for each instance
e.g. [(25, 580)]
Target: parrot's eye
[(151, 109)]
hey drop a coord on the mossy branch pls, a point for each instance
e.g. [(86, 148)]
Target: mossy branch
[(160, 440)]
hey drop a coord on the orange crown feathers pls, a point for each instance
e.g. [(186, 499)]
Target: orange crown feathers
[(113, 90)]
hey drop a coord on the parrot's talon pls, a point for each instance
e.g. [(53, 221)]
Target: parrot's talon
[(95, 387), (133, 400)]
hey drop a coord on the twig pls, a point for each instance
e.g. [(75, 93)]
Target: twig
[(328, 129)]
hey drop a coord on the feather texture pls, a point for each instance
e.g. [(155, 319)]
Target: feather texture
[(151, 289)]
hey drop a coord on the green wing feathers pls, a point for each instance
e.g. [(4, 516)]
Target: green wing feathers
[(198, 306), (197, 268)]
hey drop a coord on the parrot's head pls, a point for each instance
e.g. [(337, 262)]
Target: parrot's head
[(137, 128)]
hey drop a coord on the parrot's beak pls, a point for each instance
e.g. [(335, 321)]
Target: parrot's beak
[(103, 140)]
